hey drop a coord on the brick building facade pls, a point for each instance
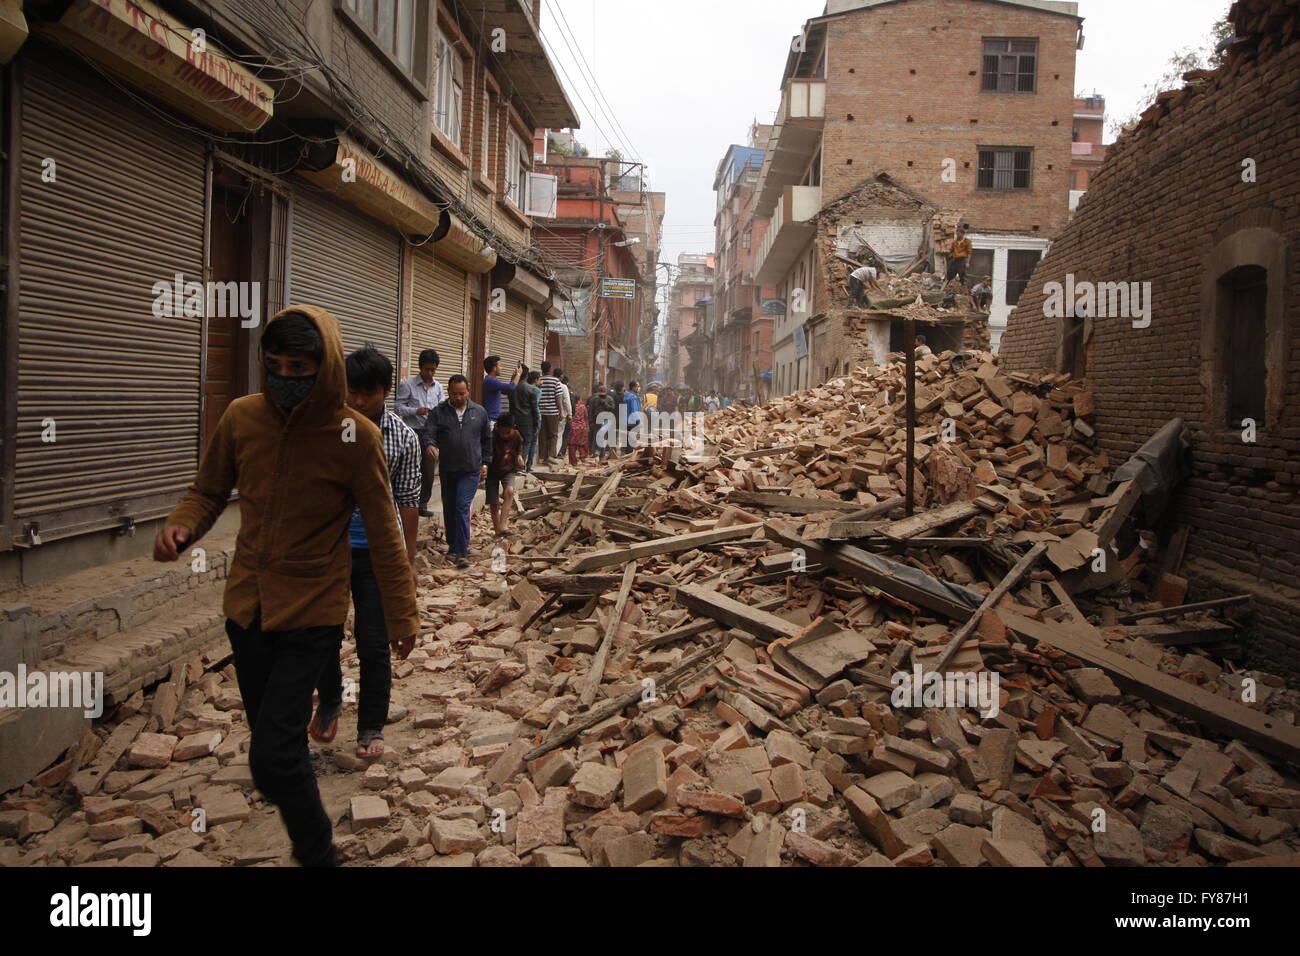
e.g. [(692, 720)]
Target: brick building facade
[(969, 103), (1199, 201)]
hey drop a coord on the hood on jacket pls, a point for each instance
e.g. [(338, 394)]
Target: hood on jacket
[(330, 392)]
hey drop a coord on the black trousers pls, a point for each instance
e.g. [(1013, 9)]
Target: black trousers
[(956, 268), (372, 652), (277, 671)]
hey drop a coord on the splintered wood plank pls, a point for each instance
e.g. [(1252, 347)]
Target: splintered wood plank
[(1217, 713), (597, 672), (671, 545), (793, 504), (733, 613), (1012, 578), (929, 520)]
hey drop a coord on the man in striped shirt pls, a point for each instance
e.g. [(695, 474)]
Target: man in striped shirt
[(552, 423), (370, 379)]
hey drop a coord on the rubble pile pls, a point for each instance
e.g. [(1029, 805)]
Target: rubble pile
[(749, 655)]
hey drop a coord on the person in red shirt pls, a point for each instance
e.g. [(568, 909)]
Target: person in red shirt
[(503, 472)]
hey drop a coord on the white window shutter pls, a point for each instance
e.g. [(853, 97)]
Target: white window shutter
[(543, 195)]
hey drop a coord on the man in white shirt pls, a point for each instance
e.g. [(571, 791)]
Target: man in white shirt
[(416, 397), (859, 280)]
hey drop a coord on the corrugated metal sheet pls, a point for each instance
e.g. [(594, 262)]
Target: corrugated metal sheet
[(346, 262), (121, 385), (536, 339), (507, 332), (438, 313)]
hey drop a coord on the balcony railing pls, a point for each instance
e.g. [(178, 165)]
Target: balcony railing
[(795, 140), (787, 234)]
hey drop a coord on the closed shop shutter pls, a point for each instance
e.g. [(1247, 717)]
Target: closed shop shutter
[(536, 339), (120, 385), (507, 333), (349, 264), (438, 313)]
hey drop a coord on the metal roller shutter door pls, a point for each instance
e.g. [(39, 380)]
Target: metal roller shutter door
[(348, 264), (536, 339), (121, 385), (438, 313), (509, 329)]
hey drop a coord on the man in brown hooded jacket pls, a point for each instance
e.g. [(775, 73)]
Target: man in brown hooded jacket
[(301, 461)]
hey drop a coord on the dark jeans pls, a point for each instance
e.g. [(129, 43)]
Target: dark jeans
[(458, 489), (427, 471), (372, 651), (277, 671), (530, 447), (957, 267)]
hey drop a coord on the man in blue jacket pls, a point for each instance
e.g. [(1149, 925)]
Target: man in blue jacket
[(494, 388), (458, 428)]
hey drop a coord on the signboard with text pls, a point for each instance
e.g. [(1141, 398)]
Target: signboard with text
[(618, 288)]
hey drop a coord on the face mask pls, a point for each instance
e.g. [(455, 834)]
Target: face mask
[(288, 392)]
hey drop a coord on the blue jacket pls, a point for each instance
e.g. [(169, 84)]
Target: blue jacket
[(463, 444), (493, 389), (633, 402)]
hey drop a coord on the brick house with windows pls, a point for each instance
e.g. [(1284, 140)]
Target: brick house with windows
[(969, 103), (1199, 200)]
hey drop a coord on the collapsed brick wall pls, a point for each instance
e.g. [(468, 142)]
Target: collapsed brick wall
[(1160, 204)]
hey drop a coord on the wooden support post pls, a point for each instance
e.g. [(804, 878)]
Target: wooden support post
[(909, 346)]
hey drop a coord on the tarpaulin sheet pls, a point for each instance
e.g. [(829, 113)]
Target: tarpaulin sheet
[(1158, 467)]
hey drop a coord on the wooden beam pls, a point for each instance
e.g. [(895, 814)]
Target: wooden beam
[(671, 545), (577, 583), (792, 504), (1214, 712), (733, 613), (697, 627), (1012, 578), (929, 520), (1163, 612), (597, 672)]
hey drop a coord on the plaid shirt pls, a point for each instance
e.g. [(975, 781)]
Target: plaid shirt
[(402, 451)]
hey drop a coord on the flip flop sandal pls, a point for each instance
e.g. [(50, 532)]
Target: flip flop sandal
[(366, 746), (314, 730)]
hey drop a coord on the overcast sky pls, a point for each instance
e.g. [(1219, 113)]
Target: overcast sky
[(680, 80)]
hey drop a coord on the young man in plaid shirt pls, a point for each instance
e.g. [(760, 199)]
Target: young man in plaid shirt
[(370, 379)]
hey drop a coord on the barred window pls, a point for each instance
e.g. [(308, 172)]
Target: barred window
[(1010, 65), (1006, 168)]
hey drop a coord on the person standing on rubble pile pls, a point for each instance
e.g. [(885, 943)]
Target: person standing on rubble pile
[(370, 379), (982, 293), (600, 431), (549, 403), (459, 427), (959, 258), (494, 387), (527, 409), (302, 463), (632, 401)]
